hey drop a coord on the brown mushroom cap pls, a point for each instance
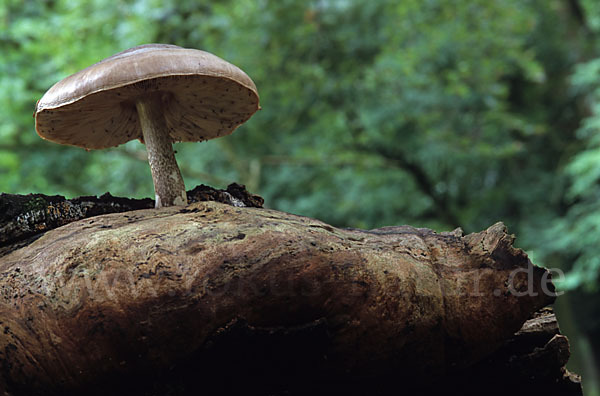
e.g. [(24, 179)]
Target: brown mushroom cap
[(203, 97)]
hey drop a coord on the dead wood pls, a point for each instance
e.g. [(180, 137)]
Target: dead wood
[(229, 290), (22, 217)]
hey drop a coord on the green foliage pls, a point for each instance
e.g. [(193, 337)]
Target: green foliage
[(577, 232)]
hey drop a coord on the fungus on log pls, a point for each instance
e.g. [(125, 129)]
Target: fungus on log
[(158, 93)]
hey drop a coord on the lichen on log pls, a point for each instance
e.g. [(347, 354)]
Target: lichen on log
[(121, 294)]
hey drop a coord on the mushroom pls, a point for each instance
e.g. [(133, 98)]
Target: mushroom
[(157, 93)]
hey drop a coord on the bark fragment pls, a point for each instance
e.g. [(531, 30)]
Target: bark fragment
[(24, 216)]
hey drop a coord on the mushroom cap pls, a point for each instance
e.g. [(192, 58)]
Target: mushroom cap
[(203, 97)]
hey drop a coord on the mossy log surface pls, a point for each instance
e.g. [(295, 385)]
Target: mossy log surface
[(228, 298)]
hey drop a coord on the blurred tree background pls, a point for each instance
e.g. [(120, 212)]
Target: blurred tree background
[(377, 112)]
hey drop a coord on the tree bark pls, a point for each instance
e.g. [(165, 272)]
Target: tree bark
[(211, 296), (23, 217)]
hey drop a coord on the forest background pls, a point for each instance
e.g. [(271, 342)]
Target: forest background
[(432, 113)]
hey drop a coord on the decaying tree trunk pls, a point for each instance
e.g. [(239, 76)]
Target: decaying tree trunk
[(25, 216), (216, 297)]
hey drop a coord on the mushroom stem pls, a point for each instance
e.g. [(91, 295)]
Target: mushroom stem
[(168, 183)]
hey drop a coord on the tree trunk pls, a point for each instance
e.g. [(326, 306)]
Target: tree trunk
[(238, 299)]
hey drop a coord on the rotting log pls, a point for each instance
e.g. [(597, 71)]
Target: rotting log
[(130, 301), (22, 217)]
